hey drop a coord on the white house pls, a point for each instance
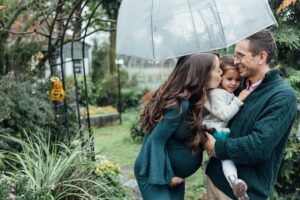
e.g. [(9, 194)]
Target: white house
[(78, 59)]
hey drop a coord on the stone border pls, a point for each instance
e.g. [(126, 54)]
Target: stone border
[(101, 120)]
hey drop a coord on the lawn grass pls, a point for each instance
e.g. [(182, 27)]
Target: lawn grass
[(115, 143)]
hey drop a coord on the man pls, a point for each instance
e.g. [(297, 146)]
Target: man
[(260, 130)]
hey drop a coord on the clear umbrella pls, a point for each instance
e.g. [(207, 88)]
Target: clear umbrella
[(161, 29)]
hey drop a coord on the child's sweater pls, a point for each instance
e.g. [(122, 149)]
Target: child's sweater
[(222, 106)]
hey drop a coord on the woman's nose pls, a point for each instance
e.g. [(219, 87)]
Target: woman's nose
[(236, 61)]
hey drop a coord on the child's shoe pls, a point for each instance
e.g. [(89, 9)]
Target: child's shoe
[(239, 188)]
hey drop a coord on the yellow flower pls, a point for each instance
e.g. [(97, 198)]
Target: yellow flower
[(109, 165), (98, 170)]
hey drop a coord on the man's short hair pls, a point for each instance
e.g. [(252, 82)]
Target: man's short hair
[(263, 41)]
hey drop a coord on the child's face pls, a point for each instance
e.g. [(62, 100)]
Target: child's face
[(231, 80)]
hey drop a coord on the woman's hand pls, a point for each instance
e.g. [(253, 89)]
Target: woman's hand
[(243, 95), (176, 181), (209, 146)]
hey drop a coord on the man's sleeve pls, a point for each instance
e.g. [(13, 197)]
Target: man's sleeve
[(273, 123)]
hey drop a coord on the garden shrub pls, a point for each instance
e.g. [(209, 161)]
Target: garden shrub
[(92, 90), (293, 77), (18, 186), (110, 173), (63, 171), (288, 182), (136, 132), (131, 97), (19, 57), (105, 91), (24, 105), (108, 88)]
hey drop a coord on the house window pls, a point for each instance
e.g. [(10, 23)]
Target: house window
[(78, 67)]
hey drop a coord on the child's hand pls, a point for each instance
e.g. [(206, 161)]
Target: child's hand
[(176, 181), (243, 95)]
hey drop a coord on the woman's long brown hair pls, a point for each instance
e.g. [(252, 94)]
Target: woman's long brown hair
[(188, 81)]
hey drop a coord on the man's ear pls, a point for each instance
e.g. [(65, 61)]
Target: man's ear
[(263, 56)]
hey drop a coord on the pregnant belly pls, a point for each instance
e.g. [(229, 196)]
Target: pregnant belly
[(183, 162)]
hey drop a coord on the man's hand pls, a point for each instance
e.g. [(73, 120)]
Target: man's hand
[(176, 181), (210, 145)]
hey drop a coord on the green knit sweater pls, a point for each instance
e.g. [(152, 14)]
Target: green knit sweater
[(258, 137)]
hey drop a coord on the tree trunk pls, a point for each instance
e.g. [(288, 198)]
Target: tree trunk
[(78, 23), (112, 52), (112, 8), (3, 39)]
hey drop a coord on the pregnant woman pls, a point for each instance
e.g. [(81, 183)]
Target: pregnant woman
[(173, 128)]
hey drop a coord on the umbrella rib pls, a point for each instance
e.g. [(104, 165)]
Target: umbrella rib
[(152, 26), (193, 22), (224, 38)]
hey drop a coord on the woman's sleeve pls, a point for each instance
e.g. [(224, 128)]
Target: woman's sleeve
[(217, 105), (155, 163)]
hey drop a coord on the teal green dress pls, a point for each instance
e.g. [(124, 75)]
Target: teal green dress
[(165, 154)]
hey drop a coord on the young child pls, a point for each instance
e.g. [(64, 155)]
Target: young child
[(222, 106)]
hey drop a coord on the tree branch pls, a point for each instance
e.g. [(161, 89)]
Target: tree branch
[(105, 20), (24, 33), (20, 9), (100, 29)]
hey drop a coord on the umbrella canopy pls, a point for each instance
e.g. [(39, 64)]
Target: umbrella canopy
[(161, 29)]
